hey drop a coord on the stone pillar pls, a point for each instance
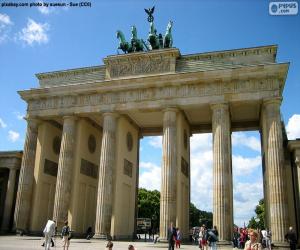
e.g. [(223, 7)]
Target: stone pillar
[(105, 184), (9, 199), (222, 172), (65, 171), (24, 195), (275, 164), (168, 177)]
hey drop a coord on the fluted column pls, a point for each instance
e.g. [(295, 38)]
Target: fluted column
[(64, 174), (9, 199), (24, 195), (275, 165), (105, 183), (168, 177), (222, 171)]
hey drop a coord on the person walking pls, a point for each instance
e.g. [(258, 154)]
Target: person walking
[(291, 237), (213, 238), (171, 236), (178, 237), (65, 233), (49, 232), (252, 244)]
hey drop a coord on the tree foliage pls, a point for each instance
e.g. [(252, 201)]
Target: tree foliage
[(198, 217), (259, 221), (149, 207)]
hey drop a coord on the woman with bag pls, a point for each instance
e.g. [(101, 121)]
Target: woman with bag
[(65, 233)]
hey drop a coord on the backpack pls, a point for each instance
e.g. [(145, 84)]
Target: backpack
[(65, 231)]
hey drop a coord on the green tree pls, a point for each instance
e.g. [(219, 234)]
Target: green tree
[(198, 217), (259, 221), (149, 205)]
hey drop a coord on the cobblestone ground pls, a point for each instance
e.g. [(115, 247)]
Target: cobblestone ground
[(26, 243)]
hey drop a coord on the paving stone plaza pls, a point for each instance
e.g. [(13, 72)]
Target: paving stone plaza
[(17, 243)]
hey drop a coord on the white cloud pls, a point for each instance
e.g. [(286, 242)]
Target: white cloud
[(150, 176), (243, 166), (34, 33), (201, 171), (5, 24), (5, 19), (2, 124), (246, 197), (155, 141), (13, 136), (19, 115), (293, 127), (46, 10), (241, 139)]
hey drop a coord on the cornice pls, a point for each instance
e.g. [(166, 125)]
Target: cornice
[(69, 72), (269, 49), (278, 70)]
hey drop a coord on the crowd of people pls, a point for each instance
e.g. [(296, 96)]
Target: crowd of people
[(243, 238)]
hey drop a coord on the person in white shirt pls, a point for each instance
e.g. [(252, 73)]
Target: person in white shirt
[(49, 232)]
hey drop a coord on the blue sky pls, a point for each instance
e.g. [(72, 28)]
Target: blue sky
[(34, 40)]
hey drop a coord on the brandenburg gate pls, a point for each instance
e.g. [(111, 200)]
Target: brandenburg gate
[(81, 153)]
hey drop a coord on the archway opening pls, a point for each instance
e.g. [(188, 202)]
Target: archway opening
[(247, 176)]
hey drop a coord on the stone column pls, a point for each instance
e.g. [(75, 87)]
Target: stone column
[(9, 199), (65, 170), (275, 164), (105, 183), (222, 172), (168, 177), (24, 195)]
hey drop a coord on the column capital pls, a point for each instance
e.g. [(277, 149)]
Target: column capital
[(273, 100), (70, 117), (33, 121), (111, 114), (172, 109), (219, 105)]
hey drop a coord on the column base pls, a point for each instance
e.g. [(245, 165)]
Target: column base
[(101, 236), (162, 240), (280, 245), (224, 243)]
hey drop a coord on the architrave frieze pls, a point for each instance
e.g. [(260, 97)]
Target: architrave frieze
[(261, 88)]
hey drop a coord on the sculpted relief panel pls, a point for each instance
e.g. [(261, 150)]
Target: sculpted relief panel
[(138, 66), (152, 94)]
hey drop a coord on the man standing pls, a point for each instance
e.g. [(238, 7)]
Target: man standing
[(171, 236), (291, 237), (49, 232)]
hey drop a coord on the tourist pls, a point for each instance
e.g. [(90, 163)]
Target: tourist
[(131, 247), (65, 233), (203, 238), (235, 238), (109, 245), (213, 238), (178, 238), (291, 237), (89, 233), (49, 232), (171, 236), (253, 243)]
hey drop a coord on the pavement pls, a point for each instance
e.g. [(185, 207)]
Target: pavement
[(29, 242)]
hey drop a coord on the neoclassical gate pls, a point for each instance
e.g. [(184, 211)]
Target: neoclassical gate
[(80, 158)]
